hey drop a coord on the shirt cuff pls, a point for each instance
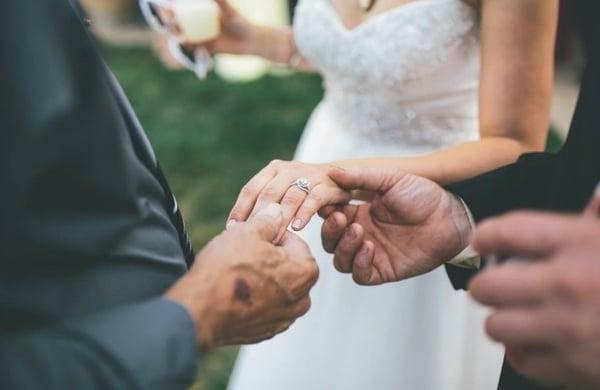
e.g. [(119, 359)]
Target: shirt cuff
[(468, 258)]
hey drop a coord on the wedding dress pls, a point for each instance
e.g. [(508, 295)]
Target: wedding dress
[(402, 83)]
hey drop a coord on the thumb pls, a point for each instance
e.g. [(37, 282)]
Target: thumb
[(267, 222), (378, 179), (593, 208)]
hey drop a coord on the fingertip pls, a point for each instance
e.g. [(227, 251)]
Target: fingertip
[(298, 224)]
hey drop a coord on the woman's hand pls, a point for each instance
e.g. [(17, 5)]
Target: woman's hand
[(237, 33), (275, 184), (240, 36)]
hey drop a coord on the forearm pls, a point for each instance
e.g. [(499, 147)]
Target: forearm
[(454, 164), (277, 45)]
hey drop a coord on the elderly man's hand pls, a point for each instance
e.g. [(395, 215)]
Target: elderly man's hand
[(546, 311), (242, 288), (410, 227)]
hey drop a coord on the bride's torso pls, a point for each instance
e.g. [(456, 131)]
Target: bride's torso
[(407, 77)]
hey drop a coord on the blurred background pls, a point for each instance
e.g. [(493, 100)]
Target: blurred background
[(212, 135)]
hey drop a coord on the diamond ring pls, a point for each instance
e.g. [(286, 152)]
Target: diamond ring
[(303, 184)]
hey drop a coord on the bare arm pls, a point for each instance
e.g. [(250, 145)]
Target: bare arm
[(240, 36), (514, 94), (514, 98)]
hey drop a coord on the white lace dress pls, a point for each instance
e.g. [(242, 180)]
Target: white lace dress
[(403, 83)]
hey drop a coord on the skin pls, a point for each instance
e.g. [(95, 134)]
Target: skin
[(243, 289), (545, 311), (410, 227), (514, 104)]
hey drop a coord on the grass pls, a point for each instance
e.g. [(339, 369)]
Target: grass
[(211, 137)]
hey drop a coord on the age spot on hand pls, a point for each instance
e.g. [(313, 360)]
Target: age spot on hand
[(242, 290)]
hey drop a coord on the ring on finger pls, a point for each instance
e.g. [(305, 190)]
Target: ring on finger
[(303, 184)]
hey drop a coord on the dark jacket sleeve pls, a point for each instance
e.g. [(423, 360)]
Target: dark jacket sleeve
[(150, 345), (49, 80), (523, 185)]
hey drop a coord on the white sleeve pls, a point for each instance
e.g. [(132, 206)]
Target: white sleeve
[(468, 258)]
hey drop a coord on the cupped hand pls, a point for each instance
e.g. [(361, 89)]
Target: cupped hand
[(243, 289), (274, 184), (410, 228)]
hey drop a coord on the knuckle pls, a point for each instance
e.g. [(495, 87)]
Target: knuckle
[(312, 270), (248, 190), (316, 198), (275, 163), (292, 198), (269, 193)]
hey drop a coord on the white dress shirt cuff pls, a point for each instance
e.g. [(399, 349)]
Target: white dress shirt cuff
[(468, 258)]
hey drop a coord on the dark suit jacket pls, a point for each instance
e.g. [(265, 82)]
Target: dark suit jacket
[(90, 235), (561, 182)]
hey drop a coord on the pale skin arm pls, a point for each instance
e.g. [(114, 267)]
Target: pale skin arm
[(514, 96), (517, 44)]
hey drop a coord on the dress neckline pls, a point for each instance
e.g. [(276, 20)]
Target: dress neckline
[(371, 20)]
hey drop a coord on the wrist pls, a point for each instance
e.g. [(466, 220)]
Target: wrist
[(197, 306), (273, 44)]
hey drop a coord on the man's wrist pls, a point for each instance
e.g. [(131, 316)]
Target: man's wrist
[(195, 308)]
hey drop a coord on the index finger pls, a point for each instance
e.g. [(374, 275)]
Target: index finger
[(527, 234), (249, 194), (512, 284)]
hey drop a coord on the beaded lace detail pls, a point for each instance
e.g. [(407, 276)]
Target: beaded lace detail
[(408, 75)]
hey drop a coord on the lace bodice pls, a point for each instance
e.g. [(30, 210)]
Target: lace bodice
[(409, 75)]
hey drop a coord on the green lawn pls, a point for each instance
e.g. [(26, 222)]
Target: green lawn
[(211, 137)]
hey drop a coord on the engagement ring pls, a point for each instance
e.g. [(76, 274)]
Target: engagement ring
[(303, 184)]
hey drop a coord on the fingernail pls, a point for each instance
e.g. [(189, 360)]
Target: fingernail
[(597, 193), (333, 222), (365, 250), (297, 224), (230, 223)]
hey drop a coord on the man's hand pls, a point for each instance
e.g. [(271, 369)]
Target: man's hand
[(411, 226), (242, 288), (547, 310)]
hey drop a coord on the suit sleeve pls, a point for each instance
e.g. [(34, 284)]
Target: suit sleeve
[(150, 345), (523, 185)]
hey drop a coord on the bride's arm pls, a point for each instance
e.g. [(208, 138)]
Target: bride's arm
[(514, 97), (517, 44)]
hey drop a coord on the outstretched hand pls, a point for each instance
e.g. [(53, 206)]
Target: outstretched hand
[(411, 227), (275, 184)]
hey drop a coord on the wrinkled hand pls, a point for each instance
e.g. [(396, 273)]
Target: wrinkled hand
[(274, 185), (410, 228), (546, 311), (243, 289)]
